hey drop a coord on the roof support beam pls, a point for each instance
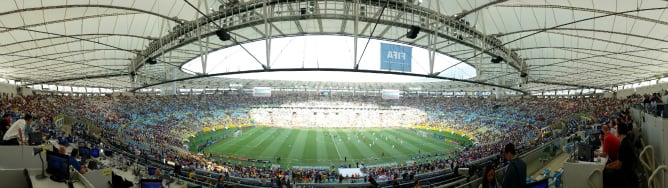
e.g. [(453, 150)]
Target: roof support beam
[(581, 29), (91, 6), (81, 78), (273, 8), (344, 22), (431, 43), (450, 29), (368, 24), (329, 69), (61, 35), (268, 32), (592, 49), (595, 64), (662, 50), (7, 29), (59, 60), (450, 26), (594, 56), (598, 11), (465, 13), (317, 11), (66, 53), (356, 12), (203, 50), (292, 12), (396, 19), (95, 36), (524, 69)]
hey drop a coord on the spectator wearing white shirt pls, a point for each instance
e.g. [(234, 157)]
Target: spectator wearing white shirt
[(14, 134)]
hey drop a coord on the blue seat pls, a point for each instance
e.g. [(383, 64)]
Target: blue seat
[(557, 179), (546, 173)]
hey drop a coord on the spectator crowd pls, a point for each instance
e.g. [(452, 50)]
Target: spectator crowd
[(158, 127)]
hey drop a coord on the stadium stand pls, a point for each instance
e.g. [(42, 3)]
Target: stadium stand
[(151, 129), (308, 93)]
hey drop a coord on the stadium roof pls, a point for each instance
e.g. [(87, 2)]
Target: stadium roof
[(558, 44)]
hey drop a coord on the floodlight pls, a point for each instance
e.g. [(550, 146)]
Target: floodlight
[(497, 59)]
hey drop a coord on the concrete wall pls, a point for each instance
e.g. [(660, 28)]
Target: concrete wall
[(97, 179), (12, 89), (14, 160), (122, 93), (25, 91), (19, 157), (655, 134), (8, 88), (14, 178)]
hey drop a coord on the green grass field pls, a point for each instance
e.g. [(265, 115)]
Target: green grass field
[(324, 147)]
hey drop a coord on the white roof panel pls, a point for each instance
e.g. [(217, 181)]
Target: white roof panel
[(596, 43)]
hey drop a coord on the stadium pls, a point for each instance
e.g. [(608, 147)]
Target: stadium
[(333, 93)]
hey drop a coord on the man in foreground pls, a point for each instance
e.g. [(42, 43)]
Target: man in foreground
[(516, 171)]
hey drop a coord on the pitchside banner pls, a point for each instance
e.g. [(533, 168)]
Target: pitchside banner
[(395, 57), (390, 94), (262, 92)]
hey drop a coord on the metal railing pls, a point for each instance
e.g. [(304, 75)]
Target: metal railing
[(655, 180), (499, 172), (398, 13)]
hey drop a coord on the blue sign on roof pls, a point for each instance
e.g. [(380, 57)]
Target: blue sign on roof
[(395, 57)]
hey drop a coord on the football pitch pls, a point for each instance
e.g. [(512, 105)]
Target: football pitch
[(325, 146)]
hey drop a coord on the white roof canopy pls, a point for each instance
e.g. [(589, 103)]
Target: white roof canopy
[(565, 44)]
